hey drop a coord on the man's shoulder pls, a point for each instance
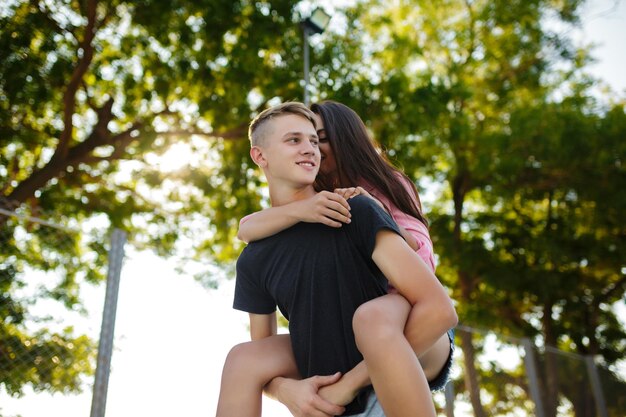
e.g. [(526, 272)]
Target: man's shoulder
[(362, 200), (361, 203), (283, 238), (367, 214)]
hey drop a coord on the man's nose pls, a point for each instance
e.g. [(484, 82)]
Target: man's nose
[(308, 147)]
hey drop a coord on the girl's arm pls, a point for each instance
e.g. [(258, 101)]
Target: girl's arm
[(325, 207)]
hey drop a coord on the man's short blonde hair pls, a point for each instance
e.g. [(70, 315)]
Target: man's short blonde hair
[(259, 128)]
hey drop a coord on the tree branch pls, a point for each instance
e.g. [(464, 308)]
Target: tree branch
[(472, 29), (607, 292), (238, 132), (45, 11), (69, 97)]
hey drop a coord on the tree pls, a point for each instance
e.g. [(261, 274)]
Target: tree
[(90, 92), (563, 238), (34, 349), (480, 96), (478, 99)]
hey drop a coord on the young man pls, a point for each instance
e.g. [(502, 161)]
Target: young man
[(319, 277)]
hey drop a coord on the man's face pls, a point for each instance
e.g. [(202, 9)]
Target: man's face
[(328, 163), (291, 150)]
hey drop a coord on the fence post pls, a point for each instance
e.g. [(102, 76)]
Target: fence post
[(449, 393), (533, 380), (105, 346), (596, 387)]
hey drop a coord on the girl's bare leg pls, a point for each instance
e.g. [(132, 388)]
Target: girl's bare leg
[(394, 369), (248, 368), (434, 359)]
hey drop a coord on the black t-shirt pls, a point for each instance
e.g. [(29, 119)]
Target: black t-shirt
[(317, 276)]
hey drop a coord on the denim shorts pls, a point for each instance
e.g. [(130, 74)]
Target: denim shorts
[(441, 380), (372, 408)]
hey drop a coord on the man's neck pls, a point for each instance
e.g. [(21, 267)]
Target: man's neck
[(280, 196)]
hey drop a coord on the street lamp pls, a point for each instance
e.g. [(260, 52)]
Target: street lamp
[(316, 23)]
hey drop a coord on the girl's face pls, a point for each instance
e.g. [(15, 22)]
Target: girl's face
[(328, 164)]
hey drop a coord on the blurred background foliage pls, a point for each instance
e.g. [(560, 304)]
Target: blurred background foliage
[(134, 115)]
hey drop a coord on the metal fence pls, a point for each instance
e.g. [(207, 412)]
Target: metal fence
[(47, 340), (45, 345), (518, 378)]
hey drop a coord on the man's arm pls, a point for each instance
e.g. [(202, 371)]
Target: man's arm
[(408, 273), (423, 296), (299, 396), (392, 335), (262, 325)]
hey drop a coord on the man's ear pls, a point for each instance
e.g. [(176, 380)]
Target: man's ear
[(258, 157)]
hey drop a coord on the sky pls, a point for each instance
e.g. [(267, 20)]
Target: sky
[(604, 24), (172, 335)]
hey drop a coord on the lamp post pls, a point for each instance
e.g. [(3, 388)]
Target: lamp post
[(316, 23)]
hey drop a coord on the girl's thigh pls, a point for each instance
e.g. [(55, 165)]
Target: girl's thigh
[(267, 358)]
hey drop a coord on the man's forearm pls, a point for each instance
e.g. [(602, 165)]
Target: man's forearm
[(272, 389), (301, 396)]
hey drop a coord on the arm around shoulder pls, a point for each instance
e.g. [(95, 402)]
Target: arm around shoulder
[(324, 207), (268, 222)]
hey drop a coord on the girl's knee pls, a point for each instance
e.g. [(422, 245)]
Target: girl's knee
[(241, 356), (262, 360), (374, 323)]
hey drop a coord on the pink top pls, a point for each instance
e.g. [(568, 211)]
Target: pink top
[(409, 223)]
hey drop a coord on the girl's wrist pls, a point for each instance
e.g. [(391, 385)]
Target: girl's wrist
[(352, 383)]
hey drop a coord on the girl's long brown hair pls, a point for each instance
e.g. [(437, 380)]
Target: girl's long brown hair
[(358, 159)]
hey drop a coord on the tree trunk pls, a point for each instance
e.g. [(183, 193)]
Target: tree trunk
[(471, 376), (460, 186), (38, 179), (551, 385)]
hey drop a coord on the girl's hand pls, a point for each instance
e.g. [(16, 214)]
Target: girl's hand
[(350, 192), (331, 209)]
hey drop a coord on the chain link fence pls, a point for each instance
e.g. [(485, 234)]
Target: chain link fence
[(49, 343), (517, 378)]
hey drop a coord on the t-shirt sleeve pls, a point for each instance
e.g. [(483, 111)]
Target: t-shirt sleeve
[(368, 218), (412, 225), (251, 295)]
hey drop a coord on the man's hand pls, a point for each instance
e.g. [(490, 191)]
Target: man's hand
[(328, 208), (340, 393), (302, 399)]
